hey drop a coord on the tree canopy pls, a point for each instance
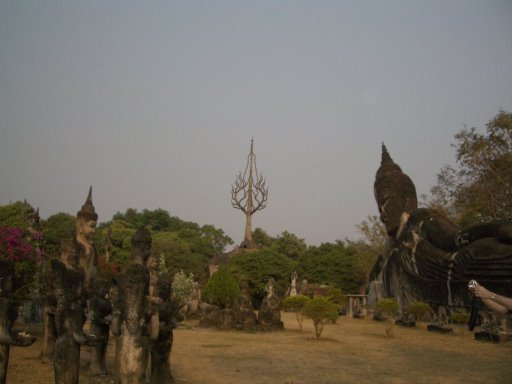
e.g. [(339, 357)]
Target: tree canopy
[(479, 188)]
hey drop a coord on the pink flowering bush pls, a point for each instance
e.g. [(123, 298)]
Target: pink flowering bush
[(24, 249)]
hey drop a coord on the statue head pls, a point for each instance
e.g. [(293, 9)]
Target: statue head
[(86, 218), (395, 193), (141, 245), (163, 286)]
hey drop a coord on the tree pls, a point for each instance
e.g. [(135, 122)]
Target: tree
[(261, 238), (177, 254), (249, 194), (290, 245), (258, 266), (367, 249), (55, 228), (389, 307), (222, 289), (329, 264), (321, 310), (296, 304), (479, 189)]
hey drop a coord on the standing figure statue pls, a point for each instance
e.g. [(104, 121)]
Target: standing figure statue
[(8, 315), (67, 291), (99, 314), (430, 259), (134, 316), (168, 313), (293, 287), (86, 220), (269, 315)]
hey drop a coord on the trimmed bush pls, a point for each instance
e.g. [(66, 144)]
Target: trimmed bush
[(296, 304), (321, 310), (389, 307), (222, 289)]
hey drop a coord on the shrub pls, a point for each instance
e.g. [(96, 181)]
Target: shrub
[(460, 318), (321, 310), (222, 289), (183, 286), (389, 307), (419, 309), (296, 304)]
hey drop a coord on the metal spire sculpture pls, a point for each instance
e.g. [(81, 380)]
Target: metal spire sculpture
[(249, 194)]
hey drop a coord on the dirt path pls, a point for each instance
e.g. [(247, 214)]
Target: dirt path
[(351, 351)]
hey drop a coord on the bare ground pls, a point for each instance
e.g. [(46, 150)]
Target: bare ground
[(351, 351)]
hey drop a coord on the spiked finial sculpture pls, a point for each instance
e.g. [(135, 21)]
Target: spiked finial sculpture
[(249, 194)]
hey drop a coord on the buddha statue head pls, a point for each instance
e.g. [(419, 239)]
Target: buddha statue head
[(86, 218), (395, 193)]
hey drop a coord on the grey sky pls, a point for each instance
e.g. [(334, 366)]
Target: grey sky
[(155, 103)]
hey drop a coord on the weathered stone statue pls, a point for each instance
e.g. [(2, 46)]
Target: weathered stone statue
[(168, 313), (67, 291), (247, 318), (269, 316), (99, 315), (430, 259), (134, 316), (86, 220), (293, 285), (8, 315)]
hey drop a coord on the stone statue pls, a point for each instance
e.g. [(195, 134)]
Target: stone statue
[(99, 314), (134, 316), (269, 315), (86, 220), (8, 315), (293, 287), (247, 318), (429, 258), (67, 284), (168, 313)]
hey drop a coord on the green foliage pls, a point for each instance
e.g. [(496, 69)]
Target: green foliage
[(222, 289), (419, 309), (178, 255), (296, 304), (261, 238), (15, 215), (183, 245), (321, 310), (55, 228), (330, 264), (290, 245), (258, 266), (336, 296), (460, 318), (478, 189), (389, 307)]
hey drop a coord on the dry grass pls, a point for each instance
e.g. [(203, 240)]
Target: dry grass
[(351, 351)]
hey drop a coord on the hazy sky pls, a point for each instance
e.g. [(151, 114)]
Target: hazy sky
[(155, 103)]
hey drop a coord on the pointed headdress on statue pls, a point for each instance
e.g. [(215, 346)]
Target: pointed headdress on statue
[(394, 191), (87, 212)]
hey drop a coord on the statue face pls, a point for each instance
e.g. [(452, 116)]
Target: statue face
[(391, 208), (87, 228)]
